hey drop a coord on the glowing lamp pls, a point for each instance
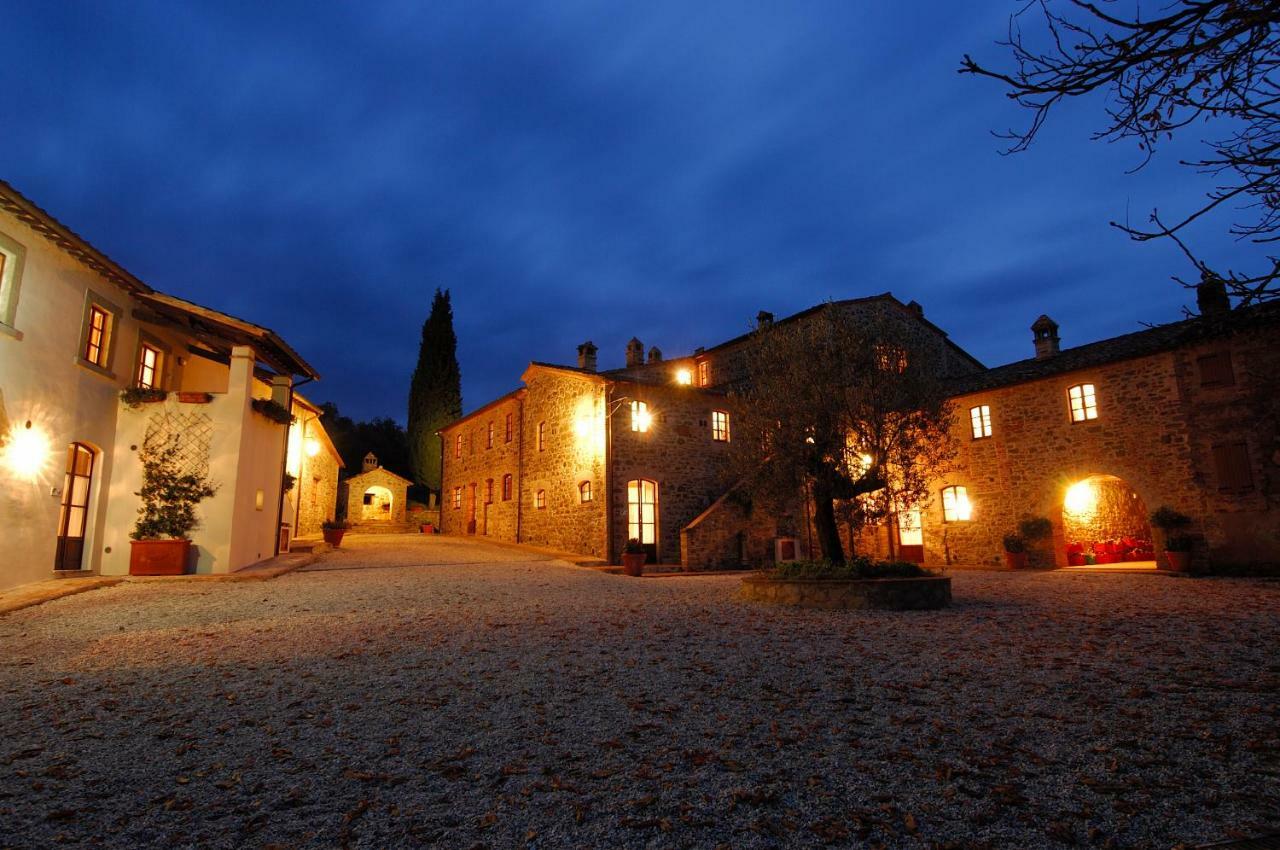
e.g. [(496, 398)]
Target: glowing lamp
[(1081, 498), (26, 452), (684, 377), (312, 446), (582, 426)]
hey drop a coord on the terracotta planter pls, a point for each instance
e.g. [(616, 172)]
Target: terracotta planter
[(1179, 562), (633, 563), (428, 528), (333, 536), (1015, 560), (158, 557), (195, 398)]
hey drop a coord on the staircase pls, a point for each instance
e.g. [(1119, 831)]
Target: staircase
[(384, 528)]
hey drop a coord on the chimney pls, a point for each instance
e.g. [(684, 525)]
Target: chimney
[(587, 356), (764, 318), (655, 355), (370, 462), (1046, 337), (635, 353), (915, 308), (1211, 295)]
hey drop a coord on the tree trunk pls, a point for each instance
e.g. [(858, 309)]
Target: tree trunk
[(824, 521)]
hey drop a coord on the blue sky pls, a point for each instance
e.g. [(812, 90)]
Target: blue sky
[(573, 171)]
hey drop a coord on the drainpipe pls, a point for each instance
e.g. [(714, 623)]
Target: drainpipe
[(608, 474), (287, 387), (440, 495), (518, 484)]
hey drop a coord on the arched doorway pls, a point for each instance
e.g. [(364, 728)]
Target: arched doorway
[(77, 490), (377, 504), (1105, 522)]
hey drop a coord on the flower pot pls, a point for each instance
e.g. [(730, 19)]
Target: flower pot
[(195, 398), (158, 557), (1015, 560), (333, 536), (428, 528), (1179, 562), (633, 563), (1075, 559)]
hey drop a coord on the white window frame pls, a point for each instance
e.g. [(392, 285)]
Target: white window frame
[(1082, 402), (955, 501), (13, 258), (641, 419), (980, 421)]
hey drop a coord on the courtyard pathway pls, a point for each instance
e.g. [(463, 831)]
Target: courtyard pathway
[(422, 691)]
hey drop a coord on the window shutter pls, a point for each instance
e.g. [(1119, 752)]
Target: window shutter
[(1231, 462), (1215, 369)]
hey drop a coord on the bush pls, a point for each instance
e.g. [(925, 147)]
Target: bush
[(854, 568), (633, 547), (1179, 543), (1168, 519), (275, 412), (134, 397), (1034, 528), (335, 525), (1015, 543), (169, 495)]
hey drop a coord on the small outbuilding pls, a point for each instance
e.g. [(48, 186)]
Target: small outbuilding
[(376, 495)]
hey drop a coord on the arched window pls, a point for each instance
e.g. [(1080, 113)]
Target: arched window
[(77, 489), (955, 504), (540, 499), (584, 491), (506, 487)]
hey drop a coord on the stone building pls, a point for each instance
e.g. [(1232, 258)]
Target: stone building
[(314, 464), (376, 499), (1092, 438), (77, 329)]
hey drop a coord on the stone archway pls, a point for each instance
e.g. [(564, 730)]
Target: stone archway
[(1105, 522), (377, 504)]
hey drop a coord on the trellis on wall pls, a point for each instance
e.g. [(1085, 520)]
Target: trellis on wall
[(190, 433)]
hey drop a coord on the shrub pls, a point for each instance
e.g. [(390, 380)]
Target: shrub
[(854, 568), (275, 412), (1168, 519), (134, 397), (1179, 543), (633, 547), (1015, 543), (335, 525), (1035, 528), (169, 495), (289, 481)]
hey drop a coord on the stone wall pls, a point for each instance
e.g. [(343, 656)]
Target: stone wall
[(1113, 511), (355, 487), (480, 470), (317, 492)]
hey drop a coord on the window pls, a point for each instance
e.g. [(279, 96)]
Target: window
[(12, 256), (640, 416), (642, 511), (96, 338), (1084, 403), (148, 366), (955, 505), (1215, 370), (489, 436), (540, 499), (457, 497), (980, 417), (1231, 462), (507, 433), (488, 491), (584, 492), (720, 426), (457, 446), (704, 373), (506, 487), (542, 436)]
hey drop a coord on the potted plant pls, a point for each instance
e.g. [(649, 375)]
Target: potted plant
[(333, 530), (633, 557), (1015, 551), (427, 528), (160, 546), (277, 413), (1177, 552), (1033, 529), (135, 397), (1177, 546)]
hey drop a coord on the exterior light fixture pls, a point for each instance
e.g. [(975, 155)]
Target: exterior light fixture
[(312, 446), (26, 452), (684, 377), (582, 426), (1081, 498)]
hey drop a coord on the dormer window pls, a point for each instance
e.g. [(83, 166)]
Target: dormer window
[(980, 420), (1084, 402), (640, 416)]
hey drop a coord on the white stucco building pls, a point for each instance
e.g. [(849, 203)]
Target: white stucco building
[(75, 330)]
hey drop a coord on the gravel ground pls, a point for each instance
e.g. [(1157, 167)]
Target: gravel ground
[(428, 692)]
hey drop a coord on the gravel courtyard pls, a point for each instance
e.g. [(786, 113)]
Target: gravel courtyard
[(429, 692)]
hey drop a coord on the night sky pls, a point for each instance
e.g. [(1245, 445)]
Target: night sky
[(573, 171)]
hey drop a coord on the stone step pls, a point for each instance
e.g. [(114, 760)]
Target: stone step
[(384, 528)]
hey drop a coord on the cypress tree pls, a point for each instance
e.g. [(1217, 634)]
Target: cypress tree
[(435, 394)]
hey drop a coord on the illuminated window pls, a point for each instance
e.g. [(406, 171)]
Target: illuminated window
[(507, 437), (720, 426), (97, 336), (684, 377), (584, 491), (148, 366), (488, 491), (457, 446), (1084, 403), (955, 505), (1231, 462), (642, 511), (457, 498), (704, 373), (540, 499), (12, 256), (489, 436), (542, 436), (1215, 370), (506, 487), (980, 417), (640, 416)]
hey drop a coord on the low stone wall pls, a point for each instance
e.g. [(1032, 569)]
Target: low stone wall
[(890, 594)]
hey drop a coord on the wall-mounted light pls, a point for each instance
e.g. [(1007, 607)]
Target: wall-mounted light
[(684, 377), (312, 446), (26, 451), (1081, 498)]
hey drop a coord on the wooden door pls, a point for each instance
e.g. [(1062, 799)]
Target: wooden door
[(910, 537), (74, 518)]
